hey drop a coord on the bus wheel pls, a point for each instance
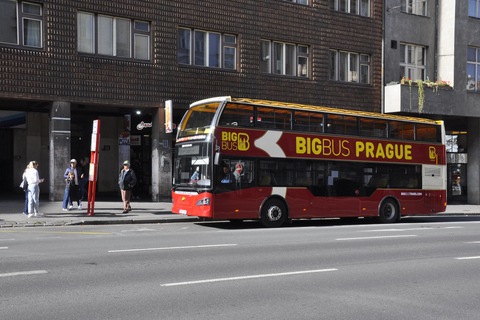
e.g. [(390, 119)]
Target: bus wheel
[(389, 211), (274, 213)]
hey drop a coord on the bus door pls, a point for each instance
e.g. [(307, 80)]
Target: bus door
[(234, 195)]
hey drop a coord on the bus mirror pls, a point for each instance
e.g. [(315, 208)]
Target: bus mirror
[(218, 159)]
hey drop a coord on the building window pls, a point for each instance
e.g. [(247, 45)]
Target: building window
[(21, 23), (360, 7), (473, 69), (207, 49), (474, 8), (418, 7), (112, 36), (284, 58), (298, 1), (350, 67), (412, 61)]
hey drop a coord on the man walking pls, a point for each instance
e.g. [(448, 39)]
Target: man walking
[(126, 181)]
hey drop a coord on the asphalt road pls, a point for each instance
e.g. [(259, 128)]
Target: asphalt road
[(422, 268)]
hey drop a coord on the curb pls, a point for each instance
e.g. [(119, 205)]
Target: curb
[(28, 224), (16, 224), (132, 221)]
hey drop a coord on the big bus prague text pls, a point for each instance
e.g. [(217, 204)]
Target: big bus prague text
[(240, 159)]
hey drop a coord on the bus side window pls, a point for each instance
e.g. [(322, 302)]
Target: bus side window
[(274, 118), (427, 132), (237, 115), (401, 130)]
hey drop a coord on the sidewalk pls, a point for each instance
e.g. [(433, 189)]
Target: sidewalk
[(109, 211), (105, 212)]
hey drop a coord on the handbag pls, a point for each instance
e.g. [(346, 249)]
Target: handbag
[(24, 184)]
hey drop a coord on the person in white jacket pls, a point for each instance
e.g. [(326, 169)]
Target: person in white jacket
[(33, 190)]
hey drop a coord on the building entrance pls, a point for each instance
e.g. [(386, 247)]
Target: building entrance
[(457, 183), (6, 160)]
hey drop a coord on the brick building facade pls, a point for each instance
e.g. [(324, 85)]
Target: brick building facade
[(75, 61)]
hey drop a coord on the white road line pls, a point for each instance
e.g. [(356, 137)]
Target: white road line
[(246, 277), (411, 229), (473, 242), (173, 248), (380, 237), (467, 258), (3, 248), (23, 273)]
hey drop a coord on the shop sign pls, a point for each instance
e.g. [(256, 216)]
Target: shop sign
[(124, 139), (142, 125), (135, 140)]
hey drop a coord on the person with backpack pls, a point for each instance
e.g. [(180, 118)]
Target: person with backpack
[(24, 186), (33, 190)]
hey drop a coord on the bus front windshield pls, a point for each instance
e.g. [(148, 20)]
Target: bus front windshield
[(192, 165), (198, 120)]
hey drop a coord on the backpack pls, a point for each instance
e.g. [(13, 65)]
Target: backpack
[(24, 184)]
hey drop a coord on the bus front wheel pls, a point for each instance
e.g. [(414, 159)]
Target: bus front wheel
[(274, 213), (389, 211)]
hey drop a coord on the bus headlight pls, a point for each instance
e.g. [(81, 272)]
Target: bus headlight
[(203, 202)]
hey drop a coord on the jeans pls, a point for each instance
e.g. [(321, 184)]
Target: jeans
[(66, 198), (33, 198), (83, 190), (26, 202), (73, 192)]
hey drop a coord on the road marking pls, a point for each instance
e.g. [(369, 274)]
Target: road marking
[(139, 230), (380, 237), (173, 248), (23, 273), (411, 229), (246, 277), (67, 232), (473, 242), (467, 258), (3, 248)]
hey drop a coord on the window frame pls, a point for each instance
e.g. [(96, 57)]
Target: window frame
[(302, 2), (417, 7), (95, 32), (21, 28), (358, 7), (473, 83), (476, 4), (408, 68), (286, 59), (189, 46), (352, 63)]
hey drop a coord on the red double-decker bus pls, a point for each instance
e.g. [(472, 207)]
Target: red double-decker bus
[(241, 159)]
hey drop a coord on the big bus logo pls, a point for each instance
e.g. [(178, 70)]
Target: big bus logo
[(432, 153), (235, 141)]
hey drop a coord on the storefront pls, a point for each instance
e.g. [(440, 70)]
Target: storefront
[(141, 154), (457, 160)]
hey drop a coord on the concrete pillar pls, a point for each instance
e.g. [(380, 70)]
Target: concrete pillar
[(59, 147), (161, 158), (473, 165)]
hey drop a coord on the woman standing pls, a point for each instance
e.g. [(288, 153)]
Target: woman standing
[(25, 210), (33, 190)]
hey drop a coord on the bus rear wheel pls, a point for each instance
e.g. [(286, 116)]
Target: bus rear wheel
[(389, 211), (274, 213)]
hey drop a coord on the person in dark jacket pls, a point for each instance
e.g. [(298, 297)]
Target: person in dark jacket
[(74, 190), (126, 181)]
